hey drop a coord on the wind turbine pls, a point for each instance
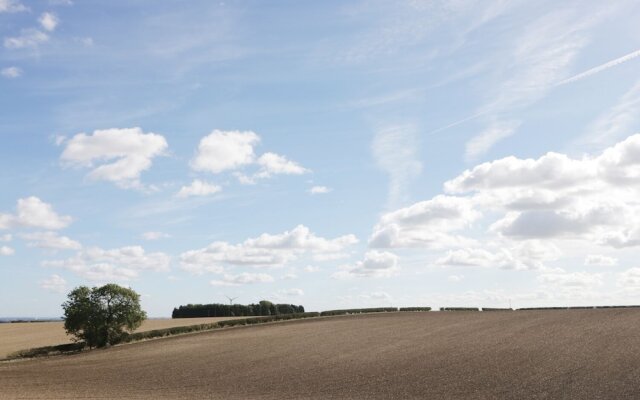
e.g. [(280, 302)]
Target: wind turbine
[(231, 299)]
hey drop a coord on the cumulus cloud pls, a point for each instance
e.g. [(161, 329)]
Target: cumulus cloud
[(55, 283), (27, 38), (154, 235), (11, 72), (120, 264), (50, 240), (198, 188), (225, 150), (48, 21), (376, 264), (12, 6), (115, 155), (6, 251), (577, 280), (319, 190), (222, 151), (527, 214), (527, 255), (425, 224), (266, 250), (31, 212), (629, 278), (600, 260), (244, 278)]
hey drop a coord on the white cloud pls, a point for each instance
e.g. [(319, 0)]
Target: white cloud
[(275, 164), (291, 292), (311, 269), (425, 224), (266, 250), (120, 264), (11, 72), (527, 255), (222, 151), (11, 6), (50, 240), (289, 276), (244, 278), (55, 283), (600, 260), (6, 251), (455, 278), (578, 280), (394, 150), (48, 21), (27, 38), (155, 235), (319, 190), (31, 212), (376, 264), (629, 278), (198, 188), (225, 150), (116, 155), (6, 237)]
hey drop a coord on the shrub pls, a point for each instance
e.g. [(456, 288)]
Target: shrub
[(496, 309), (459, 309), (415, 309)]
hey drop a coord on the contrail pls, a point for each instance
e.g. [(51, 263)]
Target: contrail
[(600, 68)]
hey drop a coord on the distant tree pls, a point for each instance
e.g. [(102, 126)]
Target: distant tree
[(101, 315)]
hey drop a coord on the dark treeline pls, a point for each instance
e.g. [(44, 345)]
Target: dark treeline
[(236, 310)]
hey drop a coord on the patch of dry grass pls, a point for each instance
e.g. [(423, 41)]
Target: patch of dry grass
[(22, 336)]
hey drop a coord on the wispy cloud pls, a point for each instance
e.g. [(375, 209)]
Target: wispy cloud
[(394, 149), (538, 59), (618, 121), (601, 68)]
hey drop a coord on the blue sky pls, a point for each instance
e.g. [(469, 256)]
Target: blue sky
[(331, 154)]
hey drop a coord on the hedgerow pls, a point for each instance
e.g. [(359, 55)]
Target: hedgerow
[(496, 309), (415, 309), (358, 311), (459, 309)]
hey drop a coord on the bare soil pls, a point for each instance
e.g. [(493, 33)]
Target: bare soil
[(27, 335), (565, 354)]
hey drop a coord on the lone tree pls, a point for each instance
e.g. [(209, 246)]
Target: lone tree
[(101, 315)]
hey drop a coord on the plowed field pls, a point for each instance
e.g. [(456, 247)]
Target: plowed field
[(567, 354)]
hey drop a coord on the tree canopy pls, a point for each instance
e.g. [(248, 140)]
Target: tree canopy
[(101, 316)]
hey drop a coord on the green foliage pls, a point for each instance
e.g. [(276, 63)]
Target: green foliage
[(358, 311), (101, 316), (496, 309), (263, 308), (415, 309), (216, 325), (459, 309)]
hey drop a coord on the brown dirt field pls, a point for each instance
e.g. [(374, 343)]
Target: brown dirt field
[(568, 354), (22, 336)]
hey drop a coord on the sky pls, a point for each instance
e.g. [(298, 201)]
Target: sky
[(333, 154)]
